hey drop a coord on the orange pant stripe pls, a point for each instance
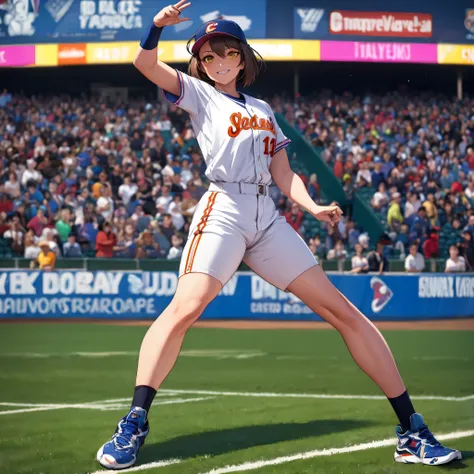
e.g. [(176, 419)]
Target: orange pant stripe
[(198, 233)]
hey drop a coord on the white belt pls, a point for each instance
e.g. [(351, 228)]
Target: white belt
[(241, 188)]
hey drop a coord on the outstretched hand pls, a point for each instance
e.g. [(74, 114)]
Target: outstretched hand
[(170, 15), (330, 214)]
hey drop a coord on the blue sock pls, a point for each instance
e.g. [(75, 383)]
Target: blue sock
[(143, 397), (403, 408)]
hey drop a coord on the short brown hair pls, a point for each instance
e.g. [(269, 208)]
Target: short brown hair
[(254, 63)]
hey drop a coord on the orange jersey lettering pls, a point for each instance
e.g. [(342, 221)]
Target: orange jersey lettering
[(239, 123)]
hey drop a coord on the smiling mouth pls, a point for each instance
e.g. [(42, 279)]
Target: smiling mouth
[(225, 71)]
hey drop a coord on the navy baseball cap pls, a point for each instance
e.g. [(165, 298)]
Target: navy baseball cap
[(215, 28)]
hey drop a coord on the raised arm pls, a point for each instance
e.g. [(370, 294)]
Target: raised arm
[(146, 60)]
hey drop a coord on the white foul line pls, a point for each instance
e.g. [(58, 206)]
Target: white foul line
[(316, 395), (89, 406), (248, 466), (27, 410)]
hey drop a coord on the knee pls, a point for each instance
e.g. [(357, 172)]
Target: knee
[(343, 316), (184, 312)]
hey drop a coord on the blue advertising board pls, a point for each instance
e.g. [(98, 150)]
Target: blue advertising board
[(81, 21), (451, 22), (144, 295)]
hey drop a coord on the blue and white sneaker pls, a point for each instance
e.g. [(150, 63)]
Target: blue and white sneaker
[(418, 445), (121, 451)]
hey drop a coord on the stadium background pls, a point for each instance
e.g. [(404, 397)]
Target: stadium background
[(330, 79)]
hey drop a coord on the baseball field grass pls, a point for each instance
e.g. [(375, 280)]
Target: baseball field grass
[(263, 401)]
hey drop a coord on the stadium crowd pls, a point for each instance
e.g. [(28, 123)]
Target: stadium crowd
[(80, 178), (411, 157)]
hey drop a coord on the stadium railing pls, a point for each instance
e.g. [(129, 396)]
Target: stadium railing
[(111, 264)]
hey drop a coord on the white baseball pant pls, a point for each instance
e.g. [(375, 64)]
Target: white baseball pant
[(239, 221)]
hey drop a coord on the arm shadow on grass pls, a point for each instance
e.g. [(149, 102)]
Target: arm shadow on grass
[(234, 439)]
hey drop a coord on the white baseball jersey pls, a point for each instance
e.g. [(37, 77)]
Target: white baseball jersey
[(237, 140), (236, 219)]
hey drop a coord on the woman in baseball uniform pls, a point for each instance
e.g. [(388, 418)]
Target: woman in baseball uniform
[(236, 220)]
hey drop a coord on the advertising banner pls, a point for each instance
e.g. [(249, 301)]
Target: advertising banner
[(456, 54), (416, 21), (17, 56), (74, 53), (82, 21), (403, 25), (144, 295), (378, 52)]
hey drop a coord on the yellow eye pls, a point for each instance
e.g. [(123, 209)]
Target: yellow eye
[(208, 59), (232, 54)]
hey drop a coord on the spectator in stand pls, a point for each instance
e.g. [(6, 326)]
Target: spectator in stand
[(88, 233), (147, 247), (339, 166), (317, 248), (376, 259), (175, 209), (71, 249), (414, 263), (159, 237), (127, 190), (38, 223), (466, 249), (313, 187), (14, 236), (6, 204), (431, 209), (105, 203), (176, 249), (31, 174), (338, 252), (411, 207), (294, 217), (431, 244), (455, 263), (63, 226), (49, 235), (12, 186), (446, 179), (5, 98), (364, 178), (349, 190), (420, 225), (126, 243), (380, 199), (402, 239), (46, 259), (394, 216), (31, 248), (165, 199), (359, 261), (352, 234), (167, 227), (105, 241), (470, 158), (378, 176), (469, 191), (470, 225)]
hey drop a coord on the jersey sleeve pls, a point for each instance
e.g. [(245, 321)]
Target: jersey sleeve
[(193, 96), (281, 140)]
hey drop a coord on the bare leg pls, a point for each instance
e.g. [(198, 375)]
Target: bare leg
[(364, 341), (162, 343)]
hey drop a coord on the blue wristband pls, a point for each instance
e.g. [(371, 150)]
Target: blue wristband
[(151, 38)]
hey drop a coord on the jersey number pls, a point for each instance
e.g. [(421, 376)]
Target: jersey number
[(270, 144)]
